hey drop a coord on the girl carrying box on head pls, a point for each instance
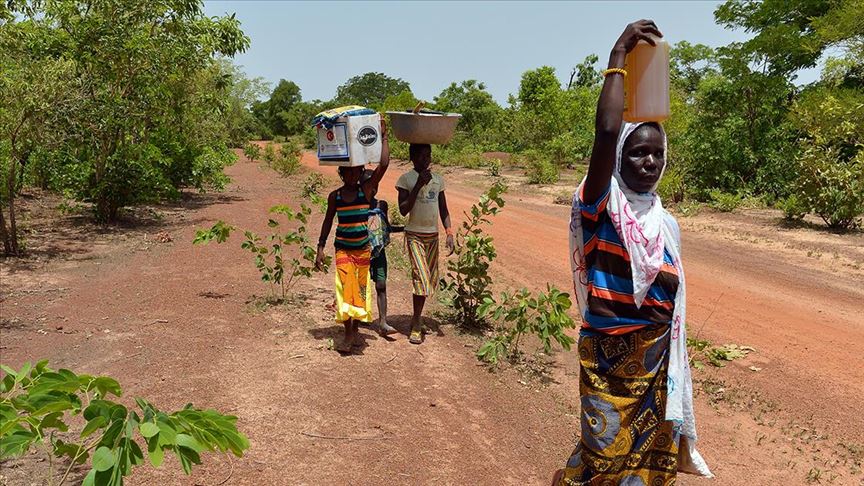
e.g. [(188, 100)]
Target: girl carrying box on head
[(351, 204)]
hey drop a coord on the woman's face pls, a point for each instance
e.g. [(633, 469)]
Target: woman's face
[(643, 158)]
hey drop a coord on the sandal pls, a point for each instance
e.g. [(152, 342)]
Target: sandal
[(416, 337)]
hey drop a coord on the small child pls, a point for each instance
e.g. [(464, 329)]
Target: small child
[(379, 233), (351, 204), (421, 197)]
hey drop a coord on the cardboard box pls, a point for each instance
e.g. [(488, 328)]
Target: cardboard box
[(352, 141)]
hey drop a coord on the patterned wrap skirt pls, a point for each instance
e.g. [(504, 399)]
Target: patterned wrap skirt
[(423, 253), (353, 285), (625, 439)]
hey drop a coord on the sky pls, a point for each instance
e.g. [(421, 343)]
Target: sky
[(319, 45)]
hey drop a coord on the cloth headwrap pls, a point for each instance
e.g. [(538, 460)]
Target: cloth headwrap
[(646, 229)]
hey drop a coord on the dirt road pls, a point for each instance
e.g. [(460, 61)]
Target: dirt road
[(174, 323)]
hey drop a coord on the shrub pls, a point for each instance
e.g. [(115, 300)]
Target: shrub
[(672, 187), (312, 190), (832, 189), (544, 316), (252, 151), (465, 156), (286, 165), (468, 273), (494, 168), (279, 139), (309, 137), (35, 402), (277, 268), (793, 208), (723, 201), (540, 170), (290, 148), (269, 154)]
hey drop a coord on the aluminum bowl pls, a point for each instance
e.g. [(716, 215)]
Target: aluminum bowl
[(423, 127)]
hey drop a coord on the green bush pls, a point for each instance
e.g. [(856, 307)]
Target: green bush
[(36, 403), (309, 137), (269, 154), (460, 156), (494, 168), (793, 208), (539, 170), (278, 264), (570, 148), (252, 151), (468, 272), (279, 139), (312, 190), (544, 316), (723, 201), (672, 188), (286, 165), (290, 148), (831, 188)]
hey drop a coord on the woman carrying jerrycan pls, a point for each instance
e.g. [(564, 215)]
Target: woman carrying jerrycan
[(637, 422)]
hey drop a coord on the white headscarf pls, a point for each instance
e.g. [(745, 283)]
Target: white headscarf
[(645, 229)]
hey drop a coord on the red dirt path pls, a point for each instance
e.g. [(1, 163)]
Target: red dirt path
[(430, 414)]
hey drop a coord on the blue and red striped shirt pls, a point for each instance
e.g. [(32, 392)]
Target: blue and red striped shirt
[(611, 307)]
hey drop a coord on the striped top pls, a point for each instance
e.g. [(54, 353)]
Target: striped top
[(611, 307), (352, 230)]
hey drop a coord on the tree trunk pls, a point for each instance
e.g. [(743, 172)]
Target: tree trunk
[(12, 234), (4, 234)]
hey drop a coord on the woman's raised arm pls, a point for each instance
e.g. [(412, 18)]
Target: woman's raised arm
[(610, 110)]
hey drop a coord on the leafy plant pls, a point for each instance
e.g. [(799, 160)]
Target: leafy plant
[(718, 355), (252, 151), (468, 273), (36, 402), (269, 154), (831, 188), (312, 190), (290, 148), (544, 316), (723, 201), (793, 208), (286, 166), (539, 170), (277, 268), (695, 346), (494, 168)]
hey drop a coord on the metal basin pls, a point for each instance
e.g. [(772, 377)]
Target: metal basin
[(423, 127)]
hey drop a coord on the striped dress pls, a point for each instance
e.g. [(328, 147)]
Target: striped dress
[(611, 308), (352, 230)]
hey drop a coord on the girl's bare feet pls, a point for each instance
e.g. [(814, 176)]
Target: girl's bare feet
[(347, 342), (385, 329)]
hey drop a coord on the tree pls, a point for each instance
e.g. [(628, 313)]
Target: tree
[(792, 34), (585, 74), (690, 64), (370, 89), (470, 98), (242, 93), (36, 96), (278, 108), (153, 108), (537, 84)]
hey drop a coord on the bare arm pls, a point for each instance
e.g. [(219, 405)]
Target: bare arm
[(408, 198), (445, 212), (610, 111), (326, 226), (445, 220), (370, 188)]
